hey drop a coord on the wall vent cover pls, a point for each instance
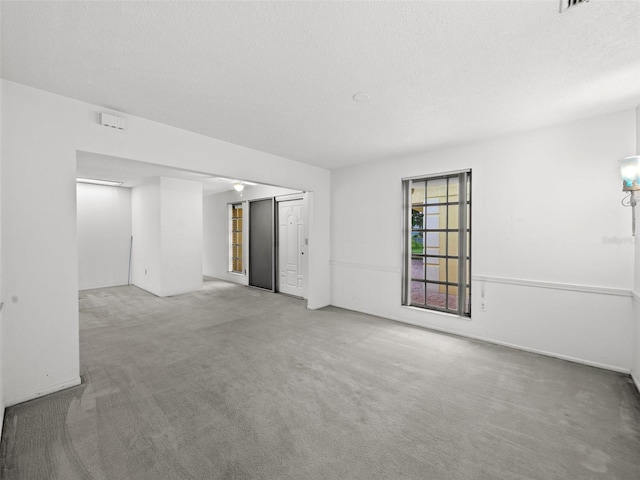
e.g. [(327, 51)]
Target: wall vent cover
[(568, 4), (108, 120)]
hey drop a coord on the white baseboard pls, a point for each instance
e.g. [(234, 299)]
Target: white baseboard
[(44, 391), (313, 307), (103, 286)]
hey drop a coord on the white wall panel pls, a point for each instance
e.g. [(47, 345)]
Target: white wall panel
[(546, 208), (180, 235), (146, 261), (104, 235)]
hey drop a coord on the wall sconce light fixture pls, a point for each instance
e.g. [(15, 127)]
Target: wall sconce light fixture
[(630, 172)]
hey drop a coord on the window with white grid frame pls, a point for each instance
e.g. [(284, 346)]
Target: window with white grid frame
[(437, 266), (235, 238)]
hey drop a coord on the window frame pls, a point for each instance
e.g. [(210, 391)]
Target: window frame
[(464, 203), (232, 207)]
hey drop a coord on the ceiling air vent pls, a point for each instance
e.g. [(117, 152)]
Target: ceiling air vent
[(568, 4), (108, 120)]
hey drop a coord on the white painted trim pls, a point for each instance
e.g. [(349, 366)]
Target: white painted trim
[(362, 266), (501, 343), (104, 286), (436, 175), (554, 285), (572, 287), (448, 315), (45, 391), (290, 196)]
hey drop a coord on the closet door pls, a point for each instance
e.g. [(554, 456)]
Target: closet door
[(261, 244)]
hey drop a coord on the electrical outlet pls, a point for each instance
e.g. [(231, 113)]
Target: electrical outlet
[(483, 306)]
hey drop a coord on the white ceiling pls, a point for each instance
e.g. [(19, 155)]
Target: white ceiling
[(280, 76)]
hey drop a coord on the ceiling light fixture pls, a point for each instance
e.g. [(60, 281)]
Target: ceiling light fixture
[(630, 173), (238, 186), (94, 181), (231, 180)]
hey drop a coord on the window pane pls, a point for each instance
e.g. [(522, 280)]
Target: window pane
[(453, 243), (436, 295), (435, 270), (453, 189), (452, 265), (417, 267), (453, 216), (452, 297), (432, 251), (434, 260), (433, 240), (417, 218), (434, 220), (417, 192), (417, 242), (237, 265), (437, 191), (417, 293)]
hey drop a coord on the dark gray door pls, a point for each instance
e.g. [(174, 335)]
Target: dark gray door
[(261, 244)]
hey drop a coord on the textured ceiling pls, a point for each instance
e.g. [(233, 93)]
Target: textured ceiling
[(280, 76)]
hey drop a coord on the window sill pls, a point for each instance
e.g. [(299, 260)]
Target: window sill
[(436, 312)]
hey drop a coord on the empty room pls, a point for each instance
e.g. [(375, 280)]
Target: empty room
[(319, 240)]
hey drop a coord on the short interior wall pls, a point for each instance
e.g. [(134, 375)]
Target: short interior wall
[(552, 248), (216, 230), (167, 236), (104, 235), (146, 264), (41, 133), (181, 235)]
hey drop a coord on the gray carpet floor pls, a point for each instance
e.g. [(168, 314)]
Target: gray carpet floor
[(235, 383)]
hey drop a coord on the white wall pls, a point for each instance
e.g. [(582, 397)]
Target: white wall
[(1, 296), (41, 134), (216, 233), (146, 263), (635, 369), (181, 235), (104, 235), (551, 242), (167, 236)]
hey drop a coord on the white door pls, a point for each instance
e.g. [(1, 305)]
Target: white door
[(291, 248)]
